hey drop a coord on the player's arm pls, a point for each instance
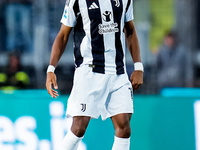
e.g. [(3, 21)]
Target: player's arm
[(56, 53), (133, 45)]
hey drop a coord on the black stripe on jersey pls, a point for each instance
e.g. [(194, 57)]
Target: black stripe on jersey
[(79, 34), (97, 42), (128, 4), (76, 8), (117, 12)]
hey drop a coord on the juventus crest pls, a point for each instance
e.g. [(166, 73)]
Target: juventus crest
[(117, 3), (83, 107)]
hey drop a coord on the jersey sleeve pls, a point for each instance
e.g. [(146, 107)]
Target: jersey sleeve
[(69, 14), (129, 11)]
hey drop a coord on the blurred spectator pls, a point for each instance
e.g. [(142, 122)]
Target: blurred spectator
[(13, 76), (18, 24), (174, 64)]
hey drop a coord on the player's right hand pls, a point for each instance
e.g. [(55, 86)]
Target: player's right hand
[(136, 79), (51, 80)]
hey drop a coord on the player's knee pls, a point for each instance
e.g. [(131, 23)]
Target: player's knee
[(123, 131), (79, 131), (79, 125), (126, 132)]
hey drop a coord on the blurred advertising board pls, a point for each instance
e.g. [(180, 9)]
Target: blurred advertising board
[(32, 120), (197, 123)]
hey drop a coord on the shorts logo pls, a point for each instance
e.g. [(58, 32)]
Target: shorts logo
[(131, 90), (83, 107)]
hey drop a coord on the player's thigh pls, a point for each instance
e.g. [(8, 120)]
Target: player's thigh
[(80, 122)]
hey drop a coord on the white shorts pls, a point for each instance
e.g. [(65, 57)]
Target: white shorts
[(95, 94)]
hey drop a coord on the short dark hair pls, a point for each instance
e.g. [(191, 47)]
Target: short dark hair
[(15, 53), (171, 34)]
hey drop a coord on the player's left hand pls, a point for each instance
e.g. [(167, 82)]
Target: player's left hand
[(51, 81), (136, 79)]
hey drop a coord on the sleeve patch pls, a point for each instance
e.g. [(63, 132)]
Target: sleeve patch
[(65, 14)]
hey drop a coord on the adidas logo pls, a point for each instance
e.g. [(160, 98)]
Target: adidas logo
[(93, 6)]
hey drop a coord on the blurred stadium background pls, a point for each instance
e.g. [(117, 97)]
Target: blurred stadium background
[(164, 119)]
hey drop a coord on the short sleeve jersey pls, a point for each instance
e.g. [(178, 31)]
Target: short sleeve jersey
[(99, 39)]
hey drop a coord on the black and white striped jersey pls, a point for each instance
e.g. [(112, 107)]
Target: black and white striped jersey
[(99, 40)]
